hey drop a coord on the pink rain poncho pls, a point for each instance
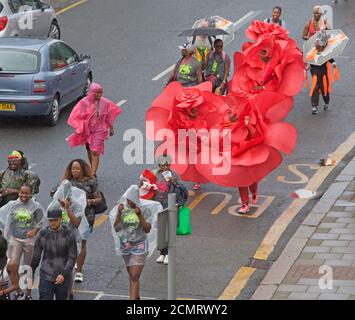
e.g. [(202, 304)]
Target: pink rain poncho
[(88, 128)]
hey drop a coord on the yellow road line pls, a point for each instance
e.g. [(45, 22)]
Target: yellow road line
[(235, 286), (100, 220), (243, 275), (71, 7), (216, 210)]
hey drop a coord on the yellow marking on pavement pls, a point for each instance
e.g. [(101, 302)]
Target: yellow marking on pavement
[(71, 6), (294, 169), (191, 193), (100, 220), (276, 231), (260, 208), (216, 210), (236, 285)]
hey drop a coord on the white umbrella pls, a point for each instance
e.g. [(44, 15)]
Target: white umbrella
[(336, 44)]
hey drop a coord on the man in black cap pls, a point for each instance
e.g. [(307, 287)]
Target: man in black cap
[(57, 243)]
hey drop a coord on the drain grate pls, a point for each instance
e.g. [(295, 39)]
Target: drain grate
[(259, 264)]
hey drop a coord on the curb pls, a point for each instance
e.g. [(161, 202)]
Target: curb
[(288, 257)]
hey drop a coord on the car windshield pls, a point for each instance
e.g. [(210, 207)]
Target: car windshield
[(20, 61)]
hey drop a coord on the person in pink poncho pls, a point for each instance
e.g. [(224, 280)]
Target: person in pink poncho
[(92, 119)]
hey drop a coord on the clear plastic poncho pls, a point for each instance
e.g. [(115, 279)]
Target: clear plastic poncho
[(24, 214), (78, 205), (130, 229)]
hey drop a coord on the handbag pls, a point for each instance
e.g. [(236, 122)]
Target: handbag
[(102, 206), (184, 227)]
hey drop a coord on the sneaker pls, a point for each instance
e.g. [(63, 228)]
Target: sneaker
[(244, 209), (161, 259), (314, 110), (197, 187), (19, 296), (166, 259), (254, 199), (326, 107), (28, 298), (79, 277)]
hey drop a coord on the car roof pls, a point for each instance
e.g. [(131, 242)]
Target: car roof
[(25, 43)]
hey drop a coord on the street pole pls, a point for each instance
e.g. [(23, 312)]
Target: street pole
[(172, 246)]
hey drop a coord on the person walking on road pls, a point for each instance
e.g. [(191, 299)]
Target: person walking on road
[(79, 174), (187, 71), (56, 246), (24, 218), (14, 176), (92, 120), (275, 17), (322, 76), (7, 273), (132, 224), (316, 24), (167, 181), (218, 65)]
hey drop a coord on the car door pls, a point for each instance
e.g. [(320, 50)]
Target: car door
[(40, 18), (62, 81), (18, 27), (76, 68)]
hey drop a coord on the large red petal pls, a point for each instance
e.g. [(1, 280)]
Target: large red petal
[(282, 136)]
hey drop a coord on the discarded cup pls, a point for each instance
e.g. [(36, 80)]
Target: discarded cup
[(327, 162), (304, 194)]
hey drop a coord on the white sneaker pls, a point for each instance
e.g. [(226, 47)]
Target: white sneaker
[(160, 259), (79, 277), (166, 260)]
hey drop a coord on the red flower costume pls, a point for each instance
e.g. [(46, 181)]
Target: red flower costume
[(268, 73)]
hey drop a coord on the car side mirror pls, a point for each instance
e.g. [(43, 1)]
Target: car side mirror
[(84, 57), (45, 6)]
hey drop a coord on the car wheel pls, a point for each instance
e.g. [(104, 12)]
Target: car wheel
[(54, 30), (52, 118), (88, 82)]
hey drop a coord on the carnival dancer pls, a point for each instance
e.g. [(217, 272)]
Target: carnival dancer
[(316, 24), (24, 218), (275, 17), (187, 71), (14, 176), (322, 76), (133, 223), (92, 120)]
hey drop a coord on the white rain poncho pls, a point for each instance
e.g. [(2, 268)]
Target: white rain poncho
[(78, 205), (129, 236), (18, 218)]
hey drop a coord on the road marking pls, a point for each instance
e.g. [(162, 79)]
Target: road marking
[(260, 208), (216, 210), (165, 72), (236, 285), (71, 7), (237, 24), (294, 169), (100, 220), (246, 18), (121, 103), (277, 229)]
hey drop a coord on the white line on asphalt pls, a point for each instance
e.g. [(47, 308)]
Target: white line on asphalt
[(165, 72), (237, 24), (246, 18), (121, 103)]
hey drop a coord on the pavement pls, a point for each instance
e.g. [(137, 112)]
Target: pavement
[(318, 262)]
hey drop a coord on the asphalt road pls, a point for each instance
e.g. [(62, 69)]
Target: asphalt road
[(130, 43)]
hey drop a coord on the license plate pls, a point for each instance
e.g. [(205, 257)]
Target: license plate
[(7, 107)]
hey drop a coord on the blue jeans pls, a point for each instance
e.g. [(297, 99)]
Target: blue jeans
[(48, 289)]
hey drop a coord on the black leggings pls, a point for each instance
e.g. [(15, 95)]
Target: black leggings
[(320, 87)]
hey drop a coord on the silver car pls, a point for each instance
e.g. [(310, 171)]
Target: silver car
[(28, 18)]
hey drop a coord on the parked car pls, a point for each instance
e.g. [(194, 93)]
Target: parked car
[(40, 77), (28, 18)]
